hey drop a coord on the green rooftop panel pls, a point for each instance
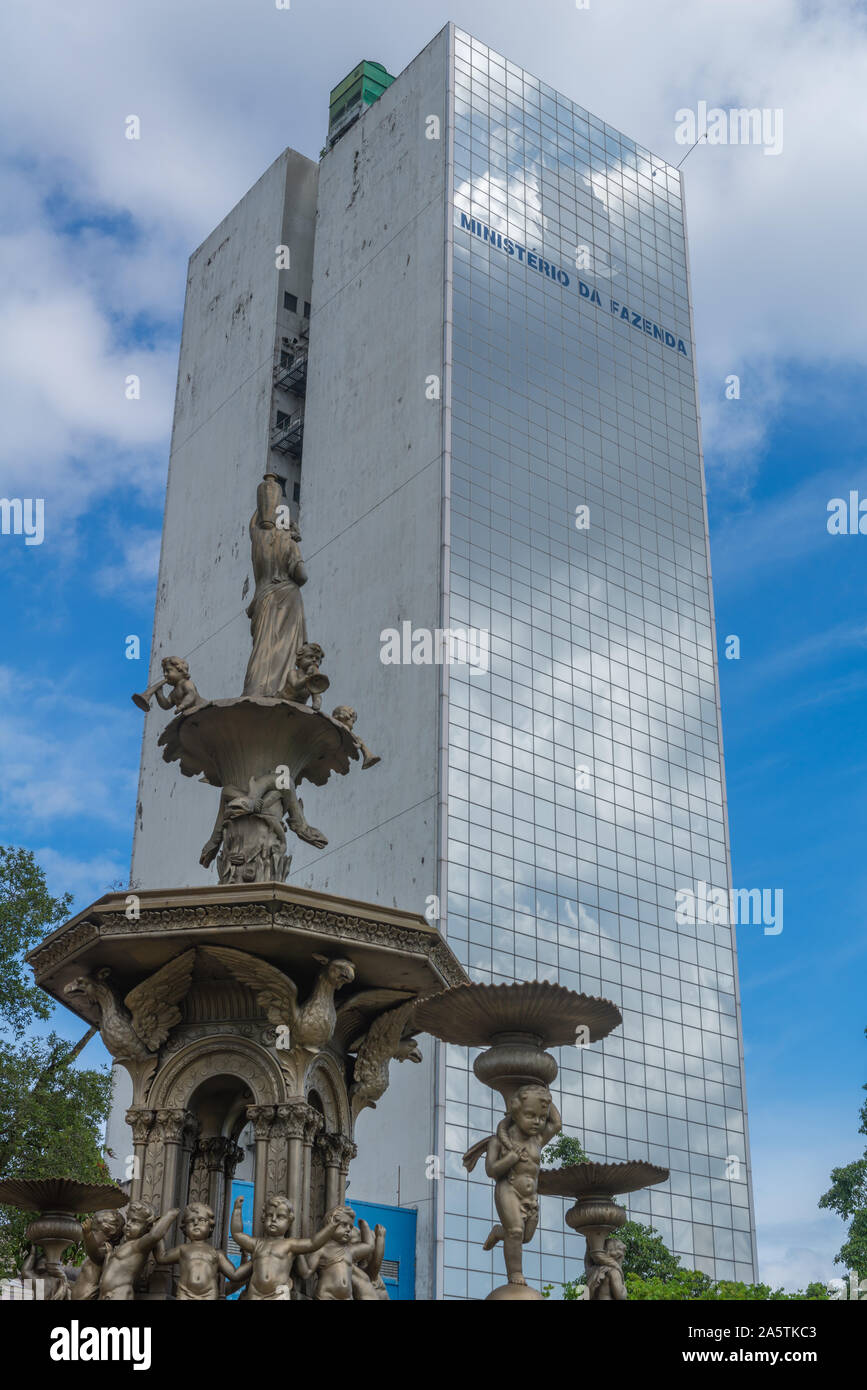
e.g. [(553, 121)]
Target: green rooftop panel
[(362, 87)]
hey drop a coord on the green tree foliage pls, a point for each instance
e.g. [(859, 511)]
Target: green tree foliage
[(563, 1151), (646, 1257), (28, 912), (51, 1117), (847, 1196), (653, 1273), (690, 1285), (52, 1112)]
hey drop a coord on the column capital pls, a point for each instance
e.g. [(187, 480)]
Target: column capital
[(217, 1149), (140, 1121), (298, 1120), (176, 1124), (262, 1118), (331, 1147), (348, 1151)]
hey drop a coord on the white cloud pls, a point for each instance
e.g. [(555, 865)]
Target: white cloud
[(138, 565), (220, 89), (63, 373), (60, 760), (86, 879), (793, 1152)]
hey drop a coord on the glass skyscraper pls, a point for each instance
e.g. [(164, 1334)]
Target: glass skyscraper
[(585, 769), (495, 428)]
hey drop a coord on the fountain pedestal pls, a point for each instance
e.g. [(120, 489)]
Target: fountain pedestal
[(596, 1215), (516, 1024)]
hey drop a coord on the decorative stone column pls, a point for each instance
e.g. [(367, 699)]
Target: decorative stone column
[(261, 1117), (141, 1122), (220, 1155), (295, 1116), (314, 1123), (348, 1151), (200, 1186), (331, 1148), (177, 1129), (278, 1152)]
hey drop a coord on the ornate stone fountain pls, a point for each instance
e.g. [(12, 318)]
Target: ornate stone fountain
[(255, 1003), (248, 1003)]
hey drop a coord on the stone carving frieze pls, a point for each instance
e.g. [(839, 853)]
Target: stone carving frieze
[(185, 1034), (47, 957)]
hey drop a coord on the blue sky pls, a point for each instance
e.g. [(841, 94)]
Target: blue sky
[(94, 240)]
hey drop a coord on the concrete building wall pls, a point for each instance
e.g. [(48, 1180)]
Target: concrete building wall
[(371, 528), (224, 407)]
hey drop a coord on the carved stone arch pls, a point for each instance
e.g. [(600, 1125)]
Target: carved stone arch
[(184, 1072), (326, 1077)]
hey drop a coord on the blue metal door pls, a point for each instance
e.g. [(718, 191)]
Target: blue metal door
[(236, 1255), (398, 1266)]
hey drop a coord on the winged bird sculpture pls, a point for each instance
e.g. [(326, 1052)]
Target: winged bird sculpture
[(135, 1026), (311, 1024), (388, 1038)]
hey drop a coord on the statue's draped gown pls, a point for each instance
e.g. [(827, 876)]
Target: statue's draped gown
[(276, 613)]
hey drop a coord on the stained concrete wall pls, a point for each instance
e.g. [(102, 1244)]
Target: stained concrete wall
[(370, 521), (233, 317), (371, 525)]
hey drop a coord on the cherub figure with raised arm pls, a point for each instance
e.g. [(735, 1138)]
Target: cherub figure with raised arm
[(367, 1282), (334, 1264), (512, 1158), (99, 1233), (201, 1264), (272, 1255), (125, 1261)]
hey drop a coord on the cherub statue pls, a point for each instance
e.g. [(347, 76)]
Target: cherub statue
[(604, 1269), (367, 1283), (271, 801), (201, 1264), (512, 1158), (334, 1263), (124, 1262), (305, 681), (135, 1027), (269, 1270), (346, 715), (183, 696), (38, 1270), (100, 1233)]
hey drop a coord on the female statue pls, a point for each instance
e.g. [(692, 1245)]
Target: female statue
[(276, 613)]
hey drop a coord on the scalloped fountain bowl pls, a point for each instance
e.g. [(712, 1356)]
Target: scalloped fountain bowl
[(515, 1024), (229, 741)]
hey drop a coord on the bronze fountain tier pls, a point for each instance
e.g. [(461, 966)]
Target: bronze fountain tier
[(261, 1010), (597, 1216), (57, 1202), (515, 1024), (260, 746)]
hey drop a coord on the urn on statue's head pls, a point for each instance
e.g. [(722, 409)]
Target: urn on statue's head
[(269, 495)]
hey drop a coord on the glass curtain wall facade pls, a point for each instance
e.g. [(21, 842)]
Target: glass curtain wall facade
[(585, 767)]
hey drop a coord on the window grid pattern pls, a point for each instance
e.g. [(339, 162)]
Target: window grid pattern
[(585, 771)]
